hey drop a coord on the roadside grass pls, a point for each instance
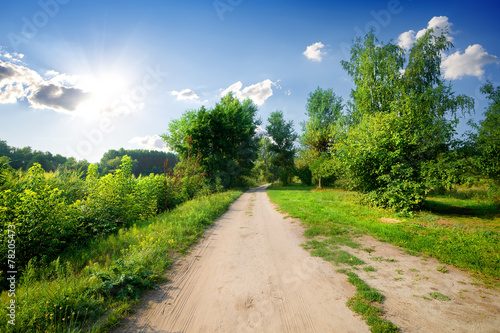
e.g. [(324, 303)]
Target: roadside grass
[(459, 232), (93, 287)]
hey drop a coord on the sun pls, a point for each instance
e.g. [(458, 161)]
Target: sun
[(104, 90)]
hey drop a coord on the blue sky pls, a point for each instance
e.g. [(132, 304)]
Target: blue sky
[(81, 77)]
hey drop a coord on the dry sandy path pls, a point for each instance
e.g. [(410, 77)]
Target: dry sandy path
[(249, 274)]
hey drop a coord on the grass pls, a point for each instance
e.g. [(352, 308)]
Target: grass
[(92, 288), (363, 304), (456, 231), (439, 296)]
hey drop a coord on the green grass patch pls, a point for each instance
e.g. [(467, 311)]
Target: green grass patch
[(456, 231), (439, 296), (369, 269), (92, 288), (363, 301)]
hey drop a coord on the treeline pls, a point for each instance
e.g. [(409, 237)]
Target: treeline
[(230, 152), (395, 140), (57, 211), (143, 161)]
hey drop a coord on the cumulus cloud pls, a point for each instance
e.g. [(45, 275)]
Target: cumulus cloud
[(313, 52), (14, 57), (186, 94), (150, 142), (258, 92), (406, 39), (439, 24), (260, 131), (471, 62), (19, 83), (57, 97)]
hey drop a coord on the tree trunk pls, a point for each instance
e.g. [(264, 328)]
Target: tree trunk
[(319, 182)]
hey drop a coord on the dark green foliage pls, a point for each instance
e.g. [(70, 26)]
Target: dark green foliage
[(144, 161), (282, 146), (320, 132), (25, 158), (224, 137), (305, 175)]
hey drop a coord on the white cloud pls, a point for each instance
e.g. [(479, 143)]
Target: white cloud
[(440, 25), (15, 57), (313, 52), (153, 142), (260, 131), (186, 94), (471, 62), (406, 39), (19, 82), (258, 92), (288, 92)]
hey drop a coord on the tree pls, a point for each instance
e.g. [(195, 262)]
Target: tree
[(403, 117), (282, 145), (263, 167), (324, 111), (488, 136), (224, 137)]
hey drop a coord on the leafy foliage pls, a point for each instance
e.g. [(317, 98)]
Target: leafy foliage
[(320, 131), (54, 212), (224, 137), (403, 118), (282, 146)]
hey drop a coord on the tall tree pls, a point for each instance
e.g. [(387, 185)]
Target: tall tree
[(403, 117), (282, 145), (324, 111), (488, 137), (224, 137)]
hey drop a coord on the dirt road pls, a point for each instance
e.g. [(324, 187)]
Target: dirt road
[(249, 274)]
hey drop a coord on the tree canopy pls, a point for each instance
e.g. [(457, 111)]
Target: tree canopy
[(224, 137)]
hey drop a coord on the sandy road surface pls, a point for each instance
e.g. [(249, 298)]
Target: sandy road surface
[(249, 274)]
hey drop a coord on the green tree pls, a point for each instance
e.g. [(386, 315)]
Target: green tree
[(263, 167), (488, 136), (324, 112), (224, 137), (282, 146), (402, 118)]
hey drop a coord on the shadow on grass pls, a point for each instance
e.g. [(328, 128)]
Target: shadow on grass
[(443, 206)]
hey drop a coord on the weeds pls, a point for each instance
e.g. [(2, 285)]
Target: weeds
[(65, 297), (437, 295)]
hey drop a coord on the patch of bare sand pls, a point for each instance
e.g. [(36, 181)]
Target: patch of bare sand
[(408, 280)]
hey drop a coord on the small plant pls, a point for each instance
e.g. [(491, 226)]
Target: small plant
[(442, 269), (399, 271), (369, 269), (368, 249), (439, 296), (414, 270), (398, 279), (380, 259)]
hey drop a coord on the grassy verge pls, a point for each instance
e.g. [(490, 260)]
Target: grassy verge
[(90, 289), (462, 233)]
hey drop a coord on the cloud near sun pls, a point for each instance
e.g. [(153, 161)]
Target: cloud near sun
[(19, 82)]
